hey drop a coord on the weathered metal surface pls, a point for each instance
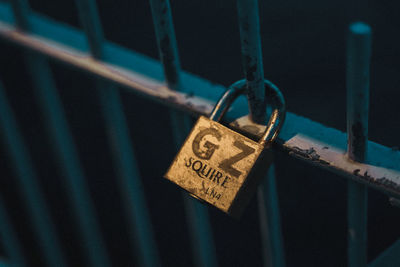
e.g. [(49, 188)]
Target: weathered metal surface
[(215, 164), (166, 41), (358, 61), (300, 137), (249, 27), (325, 148), (252, 62), (221, 166)]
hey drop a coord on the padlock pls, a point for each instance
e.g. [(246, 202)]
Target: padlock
[(223, 167)]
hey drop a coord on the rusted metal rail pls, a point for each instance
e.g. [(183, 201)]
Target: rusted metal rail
[(300, 137)]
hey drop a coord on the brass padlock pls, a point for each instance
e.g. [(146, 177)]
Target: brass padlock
[(220, 166)]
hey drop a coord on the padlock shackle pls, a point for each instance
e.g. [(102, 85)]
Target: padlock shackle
[(273, 94)]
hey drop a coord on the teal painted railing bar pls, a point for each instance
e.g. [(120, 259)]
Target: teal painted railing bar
[(166, 42), (90, 20), (389, 257), (270, 222), (197, 214), (132, 191), (21, 13), (200, 230), (65, 149), (358, 61), (130, 59), (10, 241), (28, 185), (130, 185), (252, 61), (4, 263), (141, 75)]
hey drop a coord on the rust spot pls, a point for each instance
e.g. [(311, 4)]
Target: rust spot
[(168, 56), (359, 140), (309, 154), (379, 181), (388, 183), (203, 108), (369, 177), (189, 95), (172, 99)]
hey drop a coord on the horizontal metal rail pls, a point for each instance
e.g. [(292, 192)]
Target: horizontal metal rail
[(300, 137)]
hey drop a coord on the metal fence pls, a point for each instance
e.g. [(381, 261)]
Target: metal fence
[(43, 39)]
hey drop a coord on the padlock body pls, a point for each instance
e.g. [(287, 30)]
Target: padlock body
[(220, 166)]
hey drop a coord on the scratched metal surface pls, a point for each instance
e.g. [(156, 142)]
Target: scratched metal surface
[(301, 137)]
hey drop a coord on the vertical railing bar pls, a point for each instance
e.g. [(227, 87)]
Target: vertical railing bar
[(198, 220), (4, 263), (66, 151), (197, 214), (270, 224), (249, 27), (21, 13), (9, 239), (358, 61), (64, 146), (130, 182), (166, 42), (28, 185)]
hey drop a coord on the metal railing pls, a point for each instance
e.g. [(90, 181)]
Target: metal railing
[(43, 39)]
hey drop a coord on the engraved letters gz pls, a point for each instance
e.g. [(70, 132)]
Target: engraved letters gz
[(226, 164)]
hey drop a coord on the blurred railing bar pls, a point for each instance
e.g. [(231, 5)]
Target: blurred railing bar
[(300, 137), (270, 222), (358, 62), (141, 233), (28, 185), (389, 257), (21, 13), (203, 246), (10, 241), (65, 149), (252, 60)]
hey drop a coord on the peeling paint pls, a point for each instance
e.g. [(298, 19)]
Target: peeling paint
[(309, 154)]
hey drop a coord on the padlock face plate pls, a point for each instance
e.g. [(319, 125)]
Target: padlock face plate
[(214, 162)]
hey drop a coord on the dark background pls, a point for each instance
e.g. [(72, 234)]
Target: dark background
[(304, 54)]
